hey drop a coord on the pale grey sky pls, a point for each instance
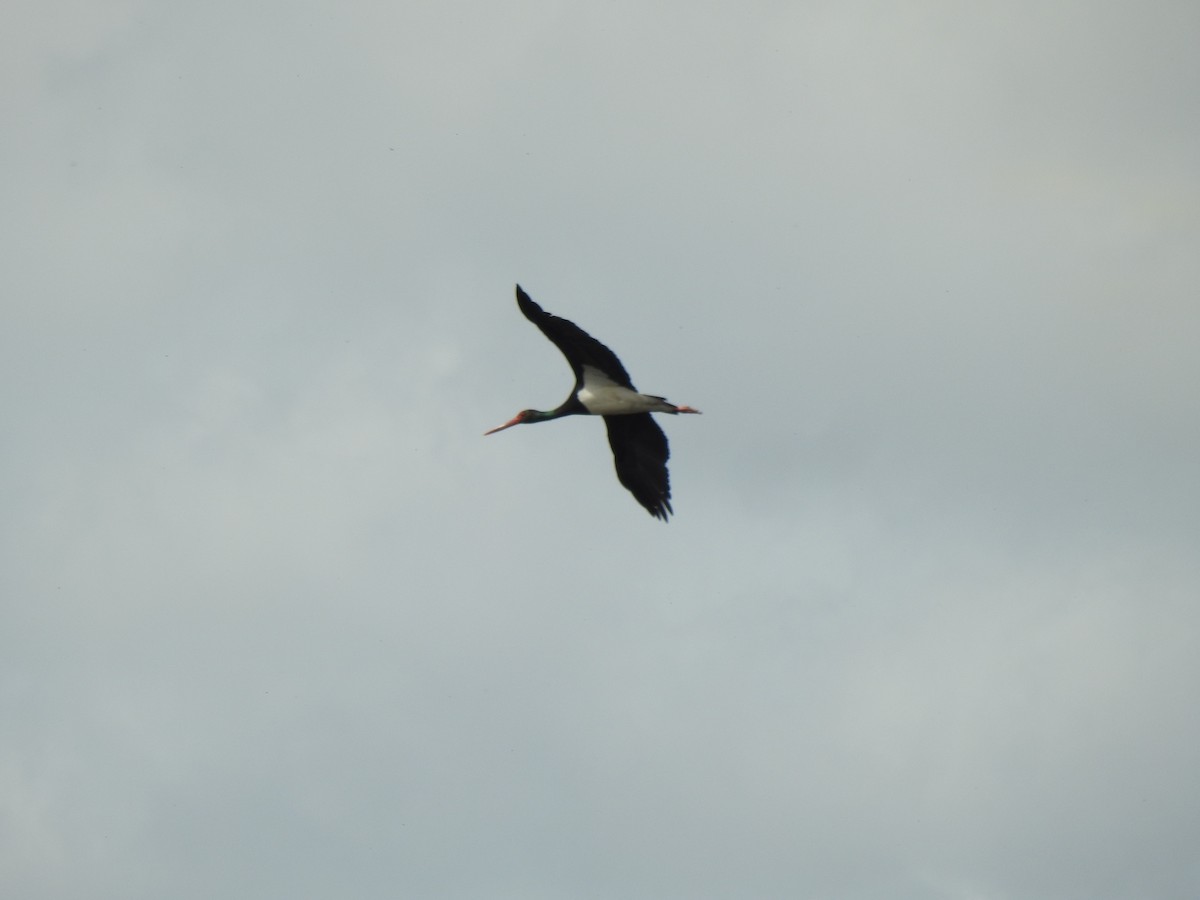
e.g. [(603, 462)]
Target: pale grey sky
[(277, 622)]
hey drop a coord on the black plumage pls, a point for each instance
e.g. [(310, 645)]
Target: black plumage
[(640, 450), (640, 454)]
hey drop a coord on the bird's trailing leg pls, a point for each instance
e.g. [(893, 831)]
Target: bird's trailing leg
[(686, 409)]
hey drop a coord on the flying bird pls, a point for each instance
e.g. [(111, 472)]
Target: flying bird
[(603, 388)]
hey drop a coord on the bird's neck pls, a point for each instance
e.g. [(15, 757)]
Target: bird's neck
[(571, 407), (545, 415)]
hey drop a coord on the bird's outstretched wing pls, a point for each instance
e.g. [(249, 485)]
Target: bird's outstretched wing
[(640, 453), (579, 347)]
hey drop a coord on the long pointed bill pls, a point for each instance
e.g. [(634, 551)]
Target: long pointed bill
[(516, 420)]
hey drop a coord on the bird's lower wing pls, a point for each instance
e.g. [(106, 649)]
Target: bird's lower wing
[(640, 453)]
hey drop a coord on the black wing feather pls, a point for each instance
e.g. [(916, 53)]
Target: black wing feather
[(640, 453), (579, 347)]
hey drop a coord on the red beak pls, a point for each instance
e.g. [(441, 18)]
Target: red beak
[(516, 420)]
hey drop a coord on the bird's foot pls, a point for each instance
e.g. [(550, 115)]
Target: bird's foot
[(686, 409)]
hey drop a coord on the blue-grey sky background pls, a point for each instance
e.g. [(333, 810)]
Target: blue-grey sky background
[(278, 622)]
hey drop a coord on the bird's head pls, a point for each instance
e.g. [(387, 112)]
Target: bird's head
[(525, 415)]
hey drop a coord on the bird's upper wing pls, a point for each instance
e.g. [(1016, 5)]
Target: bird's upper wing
[(579, 347), (640, 453)]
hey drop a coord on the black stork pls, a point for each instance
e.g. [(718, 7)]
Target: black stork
[(603, 388)]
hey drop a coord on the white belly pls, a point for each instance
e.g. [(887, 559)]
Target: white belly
[(601, 396)]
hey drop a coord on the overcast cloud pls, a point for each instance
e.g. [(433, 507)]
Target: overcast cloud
[(278, 622)]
